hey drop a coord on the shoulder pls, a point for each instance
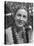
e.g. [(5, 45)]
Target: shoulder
[(8, 30), (9, 36)]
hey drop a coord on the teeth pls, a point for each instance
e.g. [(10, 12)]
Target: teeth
[(20, 23)]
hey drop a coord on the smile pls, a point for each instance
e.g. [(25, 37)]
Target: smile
[(20, 23)]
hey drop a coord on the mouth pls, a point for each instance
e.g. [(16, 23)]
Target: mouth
[(20, 22)]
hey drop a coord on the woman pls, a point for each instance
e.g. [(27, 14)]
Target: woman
[(17, 33)]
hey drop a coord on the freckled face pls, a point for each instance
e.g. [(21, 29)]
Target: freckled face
[(21, 17)]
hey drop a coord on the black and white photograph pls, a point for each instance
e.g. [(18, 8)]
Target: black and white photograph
[(18, 22)]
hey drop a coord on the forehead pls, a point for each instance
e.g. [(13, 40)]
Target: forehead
[(22, 11)]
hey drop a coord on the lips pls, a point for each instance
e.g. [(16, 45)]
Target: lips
[(20, 22)]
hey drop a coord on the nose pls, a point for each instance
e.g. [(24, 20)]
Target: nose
[(21, 18)]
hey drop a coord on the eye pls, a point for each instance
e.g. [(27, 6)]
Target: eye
[(19, 14), (24, 16)]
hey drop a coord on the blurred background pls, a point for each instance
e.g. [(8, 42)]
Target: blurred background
[(10, 8)]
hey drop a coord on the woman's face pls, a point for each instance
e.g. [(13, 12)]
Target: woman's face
[(21, 17)]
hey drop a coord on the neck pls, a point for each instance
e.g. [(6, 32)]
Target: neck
[(19, 29)]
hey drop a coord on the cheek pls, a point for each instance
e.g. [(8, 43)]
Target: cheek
[(25, 19), (16, 18)]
